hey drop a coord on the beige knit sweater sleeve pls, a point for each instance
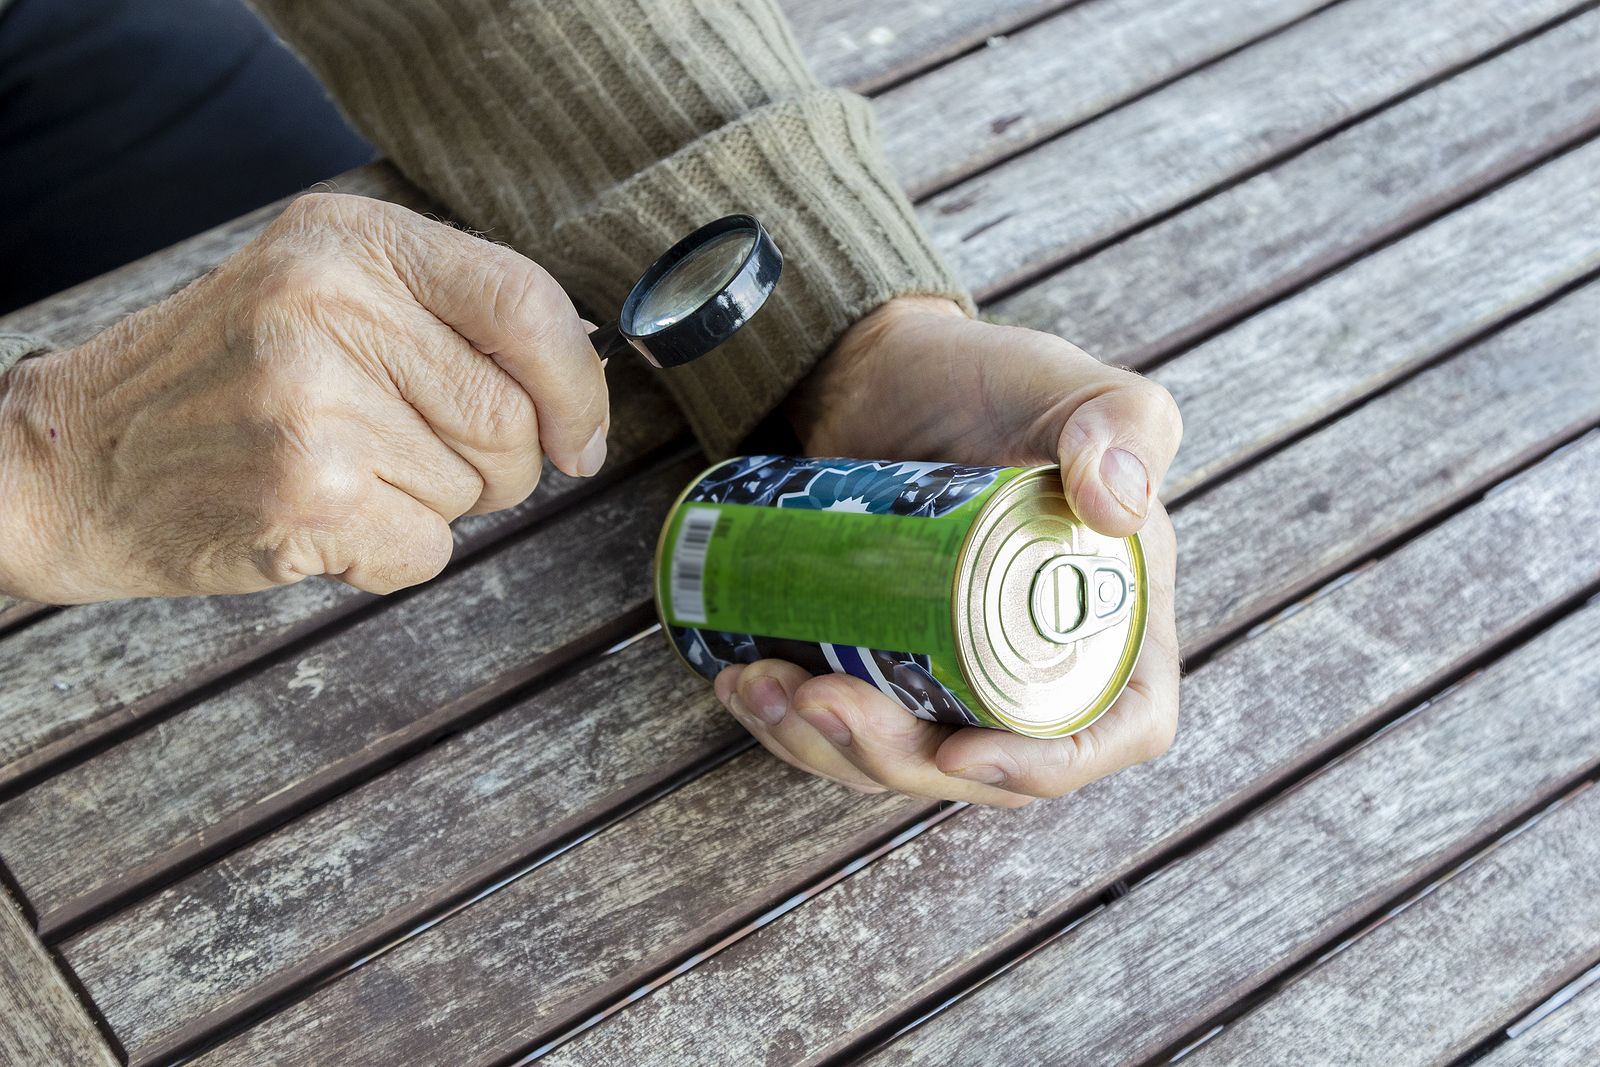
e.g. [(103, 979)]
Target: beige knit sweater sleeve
[(591, 134)]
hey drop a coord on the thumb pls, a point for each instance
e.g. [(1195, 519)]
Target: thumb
[(1114, 450)]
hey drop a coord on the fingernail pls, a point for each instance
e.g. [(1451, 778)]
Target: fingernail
[(986, 773), (593, 454), (827, 724), (1127, 480), (769, 700)]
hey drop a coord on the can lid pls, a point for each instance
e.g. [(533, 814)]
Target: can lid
[(1049, 614)]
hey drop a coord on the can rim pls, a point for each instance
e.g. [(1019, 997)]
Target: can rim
[(1132, 646)]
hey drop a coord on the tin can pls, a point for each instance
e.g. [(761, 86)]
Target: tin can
[(970, 595)]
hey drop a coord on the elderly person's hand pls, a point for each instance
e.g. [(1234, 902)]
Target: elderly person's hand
[(323, 403), (917, 379)]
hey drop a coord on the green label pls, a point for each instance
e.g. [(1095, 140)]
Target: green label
[(851, 578)]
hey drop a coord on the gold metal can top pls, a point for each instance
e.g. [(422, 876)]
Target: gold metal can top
[(1049, 615)]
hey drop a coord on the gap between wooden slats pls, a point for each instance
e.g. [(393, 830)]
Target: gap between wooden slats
[(1341, 200), (1564, 1031)]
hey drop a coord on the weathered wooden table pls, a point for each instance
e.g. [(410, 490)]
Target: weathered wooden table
[(491, 819)]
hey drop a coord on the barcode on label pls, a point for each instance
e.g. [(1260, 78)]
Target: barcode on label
[(689, 564)]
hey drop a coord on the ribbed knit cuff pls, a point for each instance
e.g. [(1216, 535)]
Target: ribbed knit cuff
[(810, 168), (19, 346)]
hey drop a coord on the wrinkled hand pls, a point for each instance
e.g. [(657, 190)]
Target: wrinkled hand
[(917, 379), (323, 403)]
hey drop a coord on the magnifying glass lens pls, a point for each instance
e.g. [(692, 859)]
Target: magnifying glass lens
[(693, 281)]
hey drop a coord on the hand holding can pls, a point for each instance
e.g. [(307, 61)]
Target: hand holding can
[(919, 379)]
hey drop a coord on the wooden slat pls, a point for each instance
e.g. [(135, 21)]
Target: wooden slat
[(1309, 356), (949, 902), (1159, 289), (1132, 981), (865, 46), (369, 865), (257, 751), (1084, 187), (1431, 982), (42, 1024), (1568, 1037), (1404, 455), (1062, 71), (1285, 530)]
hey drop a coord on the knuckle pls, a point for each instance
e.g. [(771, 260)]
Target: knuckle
[(428, 553), (505, 416), (314, 491), (296, 287), (1162, 407), (291, 557), (319, 208), (524, 297)]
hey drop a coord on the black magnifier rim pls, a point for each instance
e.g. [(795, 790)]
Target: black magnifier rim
[(724, 313)]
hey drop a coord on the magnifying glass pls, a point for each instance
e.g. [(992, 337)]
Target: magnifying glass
[(697, 295)]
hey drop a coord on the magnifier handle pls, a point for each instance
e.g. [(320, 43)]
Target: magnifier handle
[(608, 341)]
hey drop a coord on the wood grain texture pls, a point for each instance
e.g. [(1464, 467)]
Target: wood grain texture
[(569, 936), (369, 865), (865, 46), (1135, 979), (1316, 352), (1432, 981), (1568, 1037), (1284, 530), (1160, 288), (1449, 432), (1016, 220), (252, 753), (42, 1023), (952, 900), (96, 669), (1064, 70)]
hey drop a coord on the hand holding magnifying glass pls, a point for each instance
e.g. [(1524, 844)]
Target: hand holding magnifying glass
[(697, 295)]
